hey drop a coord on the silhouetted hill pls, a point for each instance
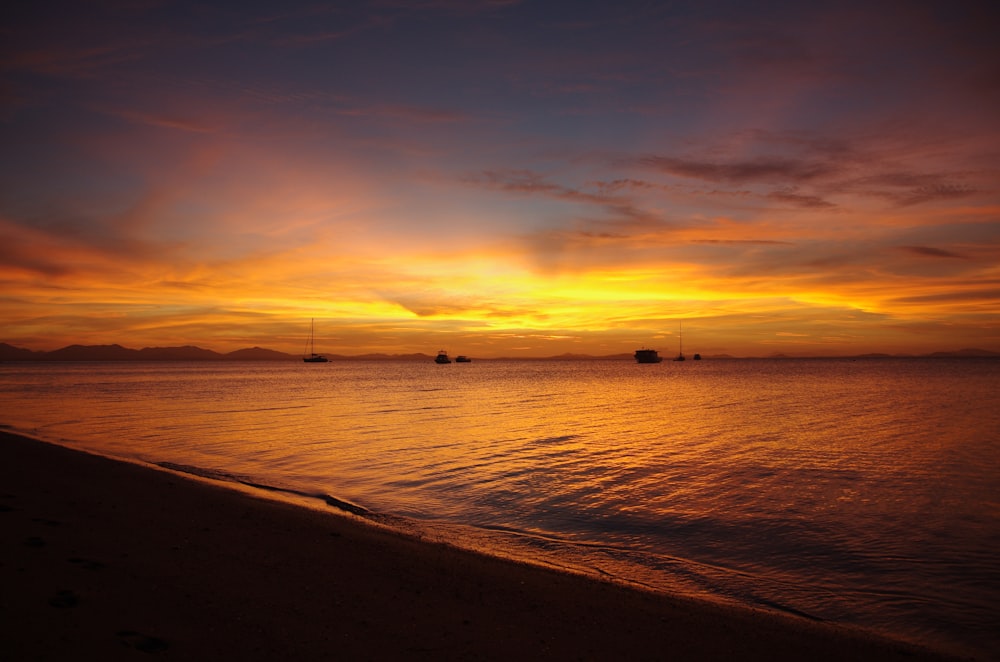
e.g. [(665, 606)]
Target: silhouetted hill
[(570, 357), (119, 353), (11, 353), (385, 357), (91, 353), (186, 353), (965, 352), (258, 354)]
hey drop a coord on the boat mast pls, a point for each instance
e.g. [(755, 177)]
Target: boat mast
[(680, 341)]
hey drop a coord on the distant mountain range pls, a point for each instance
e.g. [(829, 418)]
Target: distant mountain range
[(119, 353), (186, 353), (191, 353)]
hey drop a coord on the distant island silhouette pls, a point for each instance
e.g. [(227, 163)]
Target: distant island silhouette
[(10, 353)]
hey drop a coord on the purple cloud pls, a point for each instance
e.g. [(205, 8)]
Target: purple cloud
[(799, 200), (751, 170), (929, 251)]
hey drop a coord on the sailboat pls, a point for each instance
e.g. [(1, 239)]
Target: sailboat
[(680, 346), (313, 356)]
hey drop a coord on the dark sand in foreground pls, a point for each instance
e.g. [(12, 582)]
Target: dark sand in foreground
[(102, 559)]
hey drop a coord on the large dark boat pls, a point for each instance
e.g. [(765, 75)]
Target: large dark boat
[(647, 356), (442, 357)]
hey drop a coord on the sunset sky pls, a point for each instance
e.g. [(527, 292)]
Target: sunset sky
[(506, 178)]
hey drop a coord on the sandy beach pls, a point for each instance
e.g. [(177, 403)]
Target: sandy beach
[(102, 559)]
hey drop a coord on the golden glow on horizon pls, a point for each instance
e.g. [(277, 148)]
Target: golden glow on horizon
[(474, 294)]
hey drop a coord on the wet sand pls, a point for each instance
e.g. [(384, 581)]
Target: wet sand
[(101, 559)]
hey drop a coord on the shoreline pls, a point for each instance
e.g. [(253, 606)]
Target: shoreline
[(105, 558)]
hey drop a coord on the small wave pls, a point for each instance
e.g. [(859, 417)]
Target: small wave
[(556, 440), (201, 472), (213, 474), (346, 506), (788, 610), (255, 409)]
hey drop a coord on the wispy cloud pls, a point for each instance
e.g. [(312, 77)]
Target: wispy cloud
[(766, 169), (610, 199), (744, 242), (415, 114), (166, 121), (799, 200), (930, 251)]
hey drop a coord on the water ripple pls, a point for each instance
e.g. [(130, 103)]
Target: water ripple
[(861, 492)]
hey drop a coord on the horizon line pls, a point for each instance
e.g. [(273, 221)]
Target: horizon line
[(29, 355)]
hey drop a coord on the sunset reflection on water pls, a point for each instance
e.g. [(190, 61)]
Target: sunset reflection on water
[(854, 491)]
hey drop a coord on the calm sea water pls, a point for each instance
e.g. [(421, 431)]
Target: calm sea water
[(863, 492)]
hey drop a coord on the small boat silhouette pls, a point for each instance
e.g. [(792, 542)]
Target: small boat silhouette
[(313, 356), (680, 348)]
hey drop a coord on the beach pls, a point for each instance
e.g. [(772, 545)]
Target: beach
[(104, 559)]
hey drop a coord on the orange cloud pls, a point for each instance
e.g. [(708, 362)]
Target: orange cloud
[(174, 180)]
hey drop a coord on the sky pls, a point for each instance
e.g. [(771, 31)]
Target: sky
[(501, 178)]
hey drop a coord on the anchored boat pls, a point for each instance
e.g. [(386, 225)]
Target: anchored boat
[(647, 356), (313, 356)]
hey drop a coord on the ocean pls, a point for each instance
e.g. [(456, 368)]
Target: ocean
[(864, 492)]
